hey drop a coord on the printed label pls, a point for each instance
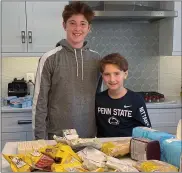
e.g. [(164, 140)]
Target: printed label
[(18, 162)]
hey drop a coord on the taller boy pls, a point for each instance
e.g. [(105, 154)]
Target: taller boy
[(66, 80)]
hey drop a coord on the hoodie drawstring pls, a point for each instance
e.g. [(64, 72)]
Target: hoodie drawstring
[(76, 63), (82, 63)]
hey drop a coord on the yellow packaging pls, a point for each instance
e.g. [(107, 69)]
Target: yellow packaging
[(69, 167), (40, 161), (18, 163), (64, 150), (99, 170), (52, 151), (155, 166), (116, 148)]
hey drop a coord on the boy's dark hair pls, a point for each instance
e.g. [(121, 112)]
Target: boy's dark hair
[(75, 8), (116, 59)]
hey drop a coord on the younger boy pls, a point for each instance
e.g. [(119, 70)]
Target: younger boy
[(118, 110)]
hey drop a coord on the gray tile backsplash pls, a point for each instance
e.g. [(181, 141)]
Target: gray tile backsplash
[(138, 42)]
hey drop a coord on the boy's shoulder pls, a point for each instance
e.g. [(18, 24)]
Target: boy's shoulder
[(94, 53), (102, 94), (134, 95)]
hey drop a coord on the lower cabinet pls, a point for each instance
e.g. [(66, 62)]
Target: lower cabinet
[(165, 120), (16, 126)]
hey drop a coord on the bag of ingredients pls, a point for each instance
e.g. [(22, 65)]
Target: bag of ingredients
[(116, 148), (80, 143), (68, 167), (18, 163), (120, 165), (155, 166), (70, 134), (92, 158), (59, 152), (40, 161), (143, 149)]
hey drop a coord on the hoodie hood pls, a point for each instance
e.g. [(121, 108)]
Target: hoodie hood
[(64, 43)]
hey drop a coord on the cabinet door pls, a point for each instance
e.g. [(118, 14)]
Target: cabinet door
[(13, 27), (44, 25), (177, 30)]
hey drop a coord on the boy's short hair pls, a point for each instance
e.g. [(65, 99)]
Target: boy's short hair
[(75, 8), (115, 59)]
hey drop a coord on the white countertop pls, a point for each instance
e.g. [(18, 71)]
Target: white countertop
[(169, 103), (11, 148)]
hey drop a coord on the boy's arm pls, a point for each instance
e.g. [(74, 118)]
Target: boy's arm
[(40, 100), (142, 113), (99, 85)]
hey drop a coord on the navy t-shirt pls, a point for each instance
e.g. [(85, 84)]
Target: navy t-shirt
[(118, 117)]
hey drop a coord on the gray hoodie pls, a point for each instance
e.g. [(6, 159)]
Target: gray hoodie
[(65, 88)]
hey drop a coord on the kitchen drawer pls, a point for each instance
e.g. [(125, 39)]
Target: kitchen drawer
[(15, 114), (16, 124), (29, 136)]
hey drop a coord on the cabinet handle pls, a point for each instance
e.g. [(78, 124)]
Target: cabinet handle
[(29, 36), (23, 36), (24, 121)]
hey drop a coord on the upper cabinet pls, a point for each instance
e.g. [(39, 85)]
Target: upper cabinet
[(170, 31), (32, 27)]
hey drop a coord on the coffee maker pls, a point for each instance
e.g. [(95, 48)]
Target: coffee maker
[(17, 88)]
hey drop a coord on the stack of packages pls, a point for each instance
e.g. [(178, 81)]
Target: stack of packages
[(19, 102), (170, 146), (73, 154)]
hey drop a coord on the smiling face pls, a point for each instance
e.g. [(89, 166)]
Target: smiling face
[(114, 77), (77, 28)]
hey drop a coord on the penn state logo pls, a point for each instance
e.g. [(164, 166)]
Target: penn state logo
[(113, 120)]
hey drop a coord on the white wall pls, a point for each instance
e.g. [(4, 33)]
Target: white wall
[(16, 67), (170, 75)]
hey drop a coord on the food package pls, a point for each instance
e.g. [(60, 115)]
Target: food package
[(70, 134), (120, 165), (171, 149), (116, 148), (40, 161), (79, 143), (143, 149), (85, 142), (180, 170), (141, 132), (25, 147), (92, 158), (59, 152), (19, 163), (68, 167), (155, 166)]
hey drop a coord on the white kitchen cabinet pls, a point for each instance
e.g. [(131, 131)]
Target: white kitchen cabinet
[(165, 120), (31, 27), (170, 31), (16, 126)]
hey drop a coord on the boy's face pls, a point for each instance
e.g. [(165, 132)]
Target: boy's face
[(114, 77), (77, 28)]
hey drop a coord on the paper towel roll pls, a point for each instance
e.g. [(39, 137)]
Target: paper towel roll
[(178, 131)]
